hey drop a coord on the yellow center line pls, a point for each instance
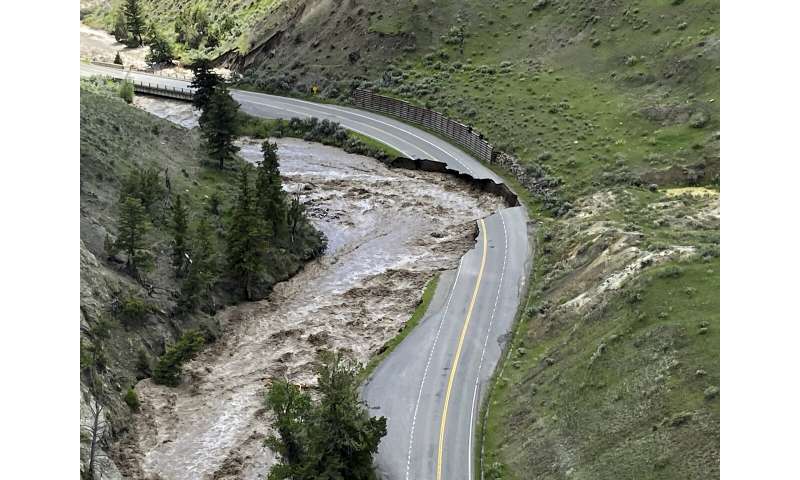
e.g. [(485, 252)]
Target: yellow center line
[(458, 354)]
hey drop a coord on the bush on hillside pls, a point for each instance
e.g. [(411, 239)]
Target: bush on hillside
[(132, 311), (146, 185), (168, 369), (132, 399), (126, 91)]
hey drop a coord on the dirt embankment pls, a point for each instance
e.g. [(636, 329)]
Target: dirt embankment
[(389, 231)]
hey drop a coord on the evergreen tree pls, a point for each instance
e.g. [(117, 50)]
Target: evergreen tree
[(246, 247), (133, 227), (296, 215), (344, 436), (134, 19), (180, 232), (332, 439), (270, 197), (202, 274), (218, 126), (205, 82), (160, 49), (120, 27), (144, 184), (293, 410)]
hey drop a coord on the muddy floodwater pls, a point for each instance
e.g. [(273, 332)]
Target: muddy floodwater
[(389, 231)]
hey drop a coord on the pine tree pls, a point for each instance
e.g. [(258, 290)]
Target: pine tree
[(133, 227), (135, 21), (180, 229), (344, 437), (160, 49), (218, 126), (332, 439), (246, 247), (120, 27), (202, 274), (270, 197), (293, 410), (295, 216), (205, 82), (144, 184)]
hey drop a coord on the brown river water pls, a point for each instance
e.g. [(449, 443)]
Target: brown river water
[(389, 232)]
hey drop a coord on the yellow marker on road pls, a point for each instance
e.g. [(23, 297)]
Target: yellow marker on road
[(458, 354)]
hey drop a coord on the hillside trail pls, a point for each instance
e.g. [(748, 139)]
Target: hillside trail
[(389, 231)]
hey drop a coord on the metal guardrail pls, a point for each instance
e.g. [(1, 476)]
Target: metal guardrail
[(177, 93), (108, 65), (461, 134), (149, 71), (157, 89)]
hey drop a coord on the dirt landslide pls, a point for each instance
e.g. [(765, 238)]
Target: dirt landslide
[(389, 231)]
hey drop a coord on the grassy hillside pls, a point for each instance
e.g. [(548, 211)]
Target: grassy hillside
[(630, 390)]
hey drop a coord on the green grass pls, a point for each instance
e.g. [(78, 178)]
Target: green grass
[(255, 127), (390, 152), (243, 15), (419, 312), (615, 411)]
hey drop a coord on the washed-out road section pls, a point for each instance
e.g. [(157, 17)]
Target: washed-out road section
[(431, 386)]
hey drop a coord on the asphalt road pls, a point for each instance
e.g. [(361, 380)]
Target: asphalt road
[(430, 387)]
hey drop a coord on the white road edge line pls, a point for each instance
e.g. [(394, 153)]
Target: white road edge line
[(283, 107), (381, 122), (427, 366), (483, 351)]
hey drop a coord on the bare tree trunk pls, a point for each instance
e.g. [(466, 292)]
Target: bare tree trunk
[(96, 427), (97, 431)]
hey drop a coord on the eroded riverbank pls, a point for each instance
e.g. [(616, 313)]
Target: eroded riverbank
[(389, 231)]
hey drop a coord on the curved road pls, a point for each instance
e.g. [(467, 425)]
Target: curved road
[(430, 387)]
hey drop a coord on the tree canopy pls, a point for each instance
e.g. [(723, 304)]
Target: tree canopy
[(333, 438), (134, 19)]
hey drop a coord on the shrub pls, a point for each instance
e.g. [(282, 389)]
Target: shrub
[(540, 4), (126, 91), (143, 368), (133, 310), (698, 120), (670, 271), (132, 400), (146, 185), (109, 246), (168, 368)]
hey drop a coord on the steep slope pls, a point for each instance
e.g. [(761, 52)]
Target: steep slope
[(127, 322)]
